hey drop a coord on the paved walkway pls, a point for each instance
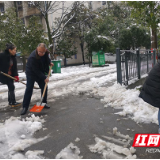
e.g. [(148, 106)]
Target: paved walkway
[(83, 117)]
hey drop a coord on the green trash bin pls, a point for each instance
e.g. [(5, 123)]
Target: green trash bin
[(98, 58), (57, 66)]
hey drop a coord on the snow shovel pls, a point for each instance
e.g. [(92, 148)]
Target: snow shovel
[(15, 78), (39, 106)]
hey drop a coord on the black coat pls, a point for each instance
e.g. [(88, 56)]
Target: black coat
[(37, 66), (150, 92), (4, 66)]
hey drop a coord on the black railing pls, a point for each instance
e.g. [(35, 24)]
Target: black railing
[(133, 64), (21, 63)]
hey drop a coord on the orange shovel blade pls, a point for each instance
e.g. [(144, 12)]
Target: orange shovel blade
[(36, 108)]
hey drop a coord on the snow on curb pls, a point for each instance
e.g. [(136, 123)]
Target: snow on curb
[(128, 100)]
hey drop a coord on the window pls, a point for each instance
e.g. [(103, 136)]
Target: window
[(90, 4), (103, 2), (30, 4), (75, 56), (1, 7), (20, 8), (19, 3)]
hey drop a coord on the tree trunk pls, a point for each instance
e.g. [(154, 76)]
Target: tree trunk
[(65, 62), (90, 58), (82, 49), (49, 36), (154, 38)]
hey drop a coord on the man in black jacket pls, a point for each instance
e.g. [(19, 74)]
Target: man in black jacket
[(8, 65), (36, 67), (150, 92)]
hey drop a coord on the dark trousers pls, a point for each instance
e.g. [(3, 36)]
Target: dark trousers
[(10, 85), (29, 91), (11, 95)]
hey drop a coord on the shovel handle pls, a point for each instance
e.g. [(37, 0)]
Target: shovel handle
[(46, 83), (8, 75), (15, 79)]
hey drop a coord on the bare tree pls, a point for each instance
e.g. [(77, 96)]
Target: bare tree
[(64, 10)]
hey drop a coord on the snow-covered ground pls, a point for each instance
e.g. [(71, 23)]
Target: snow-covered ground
[(100, 81)]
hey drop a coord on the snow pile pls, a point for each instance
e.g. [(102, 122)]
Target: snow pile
[(17, 134), (37, 154), (85, 80), (70, 72), (110, 150), (69, 81), (70, 152), (119, 97)]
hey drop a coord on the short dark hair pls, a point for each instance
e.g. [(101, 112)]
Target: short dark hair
[(42, 45), (10, 46)]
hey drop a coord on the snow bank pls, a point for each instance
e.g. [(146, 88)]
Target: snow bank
[(128, 100), (17, 134)]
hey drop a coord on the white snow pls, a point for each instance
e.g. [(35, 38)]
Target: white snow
[(77, 139), (119, 97), (70, 152), (17, 134), (110, 150), (99, 36)]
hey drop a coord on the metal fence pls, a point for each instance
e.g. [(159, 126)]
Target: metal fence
[(133, 64), (20, 63)]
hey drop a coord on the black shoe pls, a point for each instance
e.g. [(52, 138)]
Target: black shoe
[(24, 111), (46, 106), (15, 104), (12, 100)]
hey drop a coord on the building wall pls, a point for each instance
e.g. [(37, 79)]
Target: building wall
[(8, 4), (95, 5), (76, 59), (101, 4), (29, 11), (57, 14), (25, 12)]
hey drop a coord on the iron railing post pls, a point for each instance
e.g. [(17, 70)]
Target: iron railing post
[(118, 62), (126, 66), (138, 64), (147, 62), (154, 57)]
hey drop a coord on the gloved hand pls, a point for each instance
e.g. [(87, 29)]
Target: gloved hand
[(17, 78)]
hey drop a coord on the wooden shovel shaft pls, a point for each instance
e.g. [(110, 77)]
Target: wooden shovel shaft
[(15, 79), (46, 85)]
